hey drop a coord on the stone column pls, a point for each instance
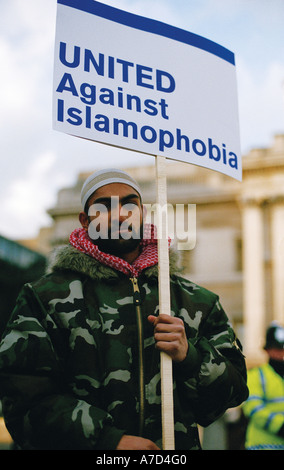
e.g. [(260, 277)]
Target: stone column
[(253, 281), (277, 250)]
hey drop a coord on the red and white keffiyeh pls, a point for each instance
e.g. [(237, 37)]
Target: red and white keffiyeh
[(79, 239)]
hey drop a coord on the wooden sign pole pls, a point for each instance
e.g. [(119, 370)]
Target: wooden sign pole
[(164, 303)]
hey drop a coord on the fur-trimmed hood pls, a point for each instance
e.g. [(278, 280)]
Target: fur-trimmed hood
[(67, 258)]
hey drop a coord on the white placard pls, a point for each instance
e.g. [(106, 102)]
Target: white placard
[(139, 84)]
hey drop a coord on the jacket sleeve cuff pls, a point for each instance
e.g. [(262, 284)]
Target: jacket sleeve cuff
[(190, 366)]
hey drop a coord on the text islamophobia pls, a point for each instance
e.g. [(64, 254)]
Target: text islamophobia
[(89, 94)]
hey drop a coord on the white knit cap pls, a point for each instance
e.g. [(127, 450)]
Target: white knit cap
[(103, 177)]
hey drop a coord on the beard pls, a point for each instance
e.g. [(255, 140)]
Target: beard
[(122, 243)]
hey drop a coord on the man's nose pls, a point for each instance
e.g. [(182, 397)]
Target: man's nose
[(123, 212)]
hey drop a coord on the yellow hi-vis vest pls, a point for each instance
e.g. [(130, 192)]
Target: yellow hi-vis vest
[(264, 409)]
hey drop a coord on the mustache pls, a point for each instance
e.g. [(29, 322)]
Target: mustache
[(117, 229)]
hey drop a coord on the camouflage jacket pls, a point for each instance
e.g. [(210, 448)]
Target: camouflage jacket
[(79, 366)]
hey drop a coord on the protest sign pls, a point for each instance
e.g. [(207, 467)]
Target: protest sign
[(139, 84), (143, 85)]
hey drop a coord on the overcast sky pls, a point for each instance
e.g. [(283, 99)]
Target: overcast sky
[(37, 161)]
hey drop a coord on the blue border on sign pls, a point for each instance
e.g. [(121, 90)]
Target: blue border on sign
[(150, 26)]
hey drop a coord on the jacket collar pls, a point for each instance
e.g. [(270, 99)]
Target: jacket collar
[(67, 258)]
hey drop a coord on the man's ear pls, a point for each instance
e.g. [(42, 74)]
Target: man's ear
[(84, 220)]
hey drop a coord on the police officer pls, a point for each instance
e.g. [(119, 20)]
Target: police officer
[(265, 406)]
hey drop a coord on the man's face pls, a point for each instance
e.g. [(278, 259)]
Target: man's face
[(115, 218), (276, 354)]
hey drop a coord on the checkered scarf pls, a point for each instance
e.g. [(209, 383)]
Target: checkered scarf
[(148, 257)]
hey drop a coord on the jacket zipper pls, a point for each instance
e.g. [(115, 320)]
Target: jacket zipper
[(137, 303)]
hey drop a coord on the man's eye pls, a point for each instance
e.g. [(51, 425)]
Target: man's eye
[(134, 202)]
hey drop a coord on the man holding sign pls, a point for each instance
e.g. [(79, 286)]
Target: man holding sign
[(80, 357)]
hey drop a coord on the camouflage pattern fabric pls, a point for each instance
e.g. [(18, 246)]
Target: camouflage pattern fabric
[(69, 359)]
